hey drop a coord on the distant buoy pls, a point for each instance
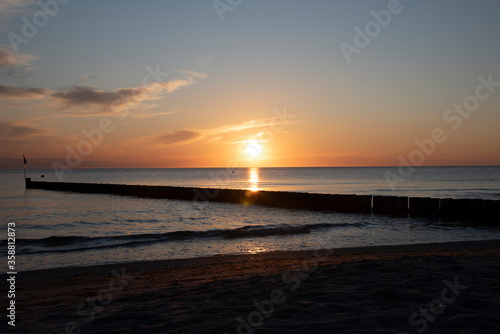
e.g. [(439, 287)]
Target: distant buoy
[(43, 176)]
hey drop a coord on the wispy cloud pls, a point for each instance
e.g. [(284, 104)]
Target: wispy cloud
[(176, 137), (173, 85), (8, 7), (7, 92), (87, 100), (257, 123), (13, 131), (203, 59), (193, 74), (79, 98), (14, 64), (86, 77), (211, 134), (146, 114)]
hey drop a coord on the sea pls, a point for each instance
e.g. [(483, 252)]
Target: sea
[(64, 229)]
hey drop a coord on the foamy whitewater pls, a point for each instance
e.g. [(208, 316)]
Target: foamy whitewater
[(58, 229)]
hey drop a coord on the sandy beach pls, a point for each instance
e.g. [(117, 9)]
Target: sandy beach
[(431, 288)]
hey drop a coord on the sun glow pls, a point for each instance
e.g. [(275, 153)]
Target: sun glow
[(253, 149)]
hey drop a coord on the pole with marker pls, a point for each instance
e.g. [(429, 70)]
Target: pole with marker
[(25, 178)]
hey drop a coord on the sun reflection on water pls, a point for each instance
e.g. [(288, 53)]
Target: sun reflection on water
[(253, 179), (257, 249)]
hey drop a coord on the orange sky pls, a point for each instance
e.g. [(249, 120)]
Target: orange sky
[(97, 88)]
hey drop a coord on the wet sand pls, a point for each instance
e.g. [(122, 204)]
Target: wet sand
[(431, 288)]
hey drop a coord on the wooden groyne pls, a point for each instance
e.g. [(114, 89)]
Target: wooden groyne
[(444, 208)]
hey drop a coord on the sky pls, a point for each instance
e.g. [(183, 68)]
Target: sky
[(235, 83)]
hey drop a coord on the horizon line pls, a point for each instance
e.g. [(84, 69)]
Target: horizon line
[(246, 167)]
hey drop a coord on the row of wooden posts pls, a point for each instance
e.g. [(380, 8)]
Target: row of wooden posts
[(445, 208)]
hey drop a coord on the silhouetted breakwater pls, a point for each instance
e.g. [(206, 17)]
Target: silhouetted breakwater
[(444, 208)]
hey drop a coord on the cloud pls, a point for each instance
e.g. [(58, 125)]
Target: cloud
[(214, 134), (86, 77), (80, 96), (193, 74), (145, 114), (203, 59), (8, 7), (9, 130), (7, 92), (84, 95), (14, 64), (214, 139), (257, 123), (175, 137), (173, 85)]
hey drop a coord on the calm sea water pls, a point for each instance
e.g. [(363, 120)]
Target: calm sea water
[(57, 229)]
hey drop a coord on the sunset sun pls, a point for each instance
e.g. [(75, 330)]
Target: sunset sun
[(253, 149)]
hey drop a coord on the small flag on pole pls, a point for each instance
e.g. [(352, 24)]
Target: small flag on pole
[(25, 162)]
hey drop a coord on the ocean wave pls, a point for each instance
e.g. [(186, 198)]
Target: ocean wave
[(82, 243), (140, 220)]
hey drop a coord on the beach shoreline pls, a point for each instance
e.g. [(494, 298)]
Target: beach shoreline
[(65, 272), (347, 290)]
